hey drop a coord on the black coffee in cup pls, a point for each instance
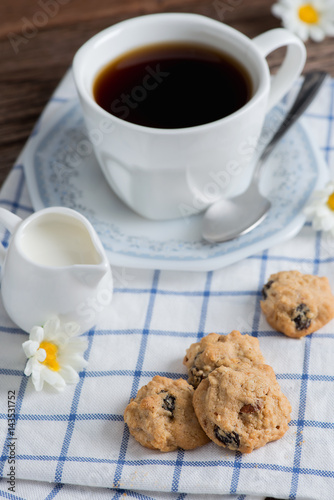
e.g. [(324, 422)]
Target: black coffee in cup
[(172, 85)]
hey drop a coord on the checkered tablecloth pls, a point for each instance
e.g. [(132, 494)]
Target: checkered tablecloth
[(74, 445)]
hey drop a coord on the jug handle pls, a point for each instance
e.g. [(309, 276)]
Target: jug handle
[(10, 221)]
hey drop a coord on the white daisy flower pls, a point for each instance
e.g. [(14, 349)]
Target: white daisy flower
[(321, 209), (55, 354), (310, 18)]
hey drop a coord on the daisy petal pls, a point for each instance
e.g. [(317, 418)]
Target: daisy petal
[(54, 379), (51, 327), (317, 34), (71, 329), (322, 211), (302, 31), (29, 367), (278, 10), (75, 360), (37, 380), (41, 355), (78, 344), (327, 223), (30, 348), (37, 334), (69, 375), (329, 29)]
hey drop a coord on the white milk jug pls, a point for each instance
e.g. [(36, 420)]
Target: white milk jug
[(55, 264)]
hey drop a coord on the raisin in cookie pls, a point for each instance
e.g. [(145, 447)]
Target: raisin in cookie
[(241, 407), (162, 416), (215, 350), (297, 304)]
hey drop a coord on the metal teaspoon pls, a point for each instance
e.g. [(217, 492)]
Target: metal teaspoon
[(228, 218)]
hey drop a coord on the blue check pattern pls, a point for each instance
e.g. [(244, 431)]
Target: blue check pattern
[(75, 445)]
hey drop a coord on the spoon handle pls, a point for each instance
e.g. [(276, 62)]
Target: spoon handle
[(312, 83)]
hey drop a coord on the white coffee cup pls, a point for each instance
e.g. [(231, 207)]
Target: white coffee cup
[(170, 173)]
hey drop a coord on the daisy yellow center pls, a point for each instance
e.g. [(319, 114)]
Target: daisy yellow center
[(330, 201), (51, 355), (308, 14)]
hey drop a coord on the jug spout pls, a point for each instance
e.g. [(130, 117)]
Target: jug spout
[(91, 275)]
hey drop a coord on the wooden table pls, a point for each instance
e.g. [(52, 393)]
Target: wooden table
[(39, 38)]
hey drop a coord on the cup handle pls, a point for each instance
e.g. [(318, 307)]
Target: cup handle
[(292, 65), (10, 221)]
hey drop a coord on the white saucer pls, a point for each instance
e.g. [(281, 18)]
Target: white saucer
[(58, 175)]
